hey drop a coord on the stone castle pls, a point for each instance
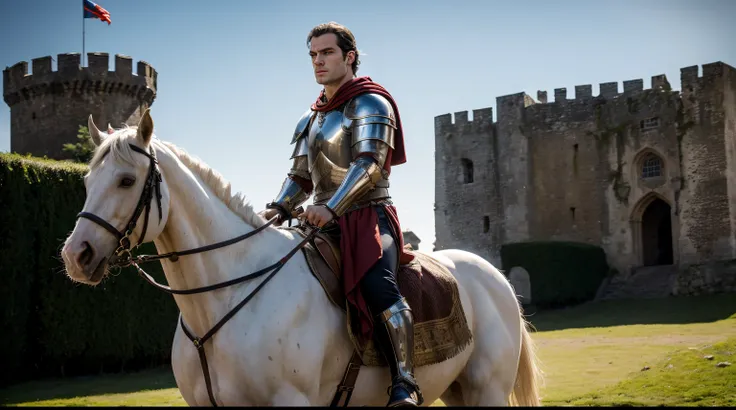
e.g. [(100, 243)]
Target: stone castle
[(647, 174), (47, 107)]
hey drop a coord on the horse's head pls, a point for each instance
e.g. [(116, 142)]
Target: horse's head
[(127, 201)]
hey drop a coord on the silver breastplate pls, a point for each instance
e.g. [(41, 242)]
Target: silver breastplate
[(329, 156), (329, 139)]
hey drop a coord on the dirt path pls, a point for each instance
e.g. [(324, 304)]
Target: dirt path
[(674, 339)]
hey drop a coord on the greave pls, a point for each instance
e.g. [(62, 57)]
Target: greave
[(395, 336)]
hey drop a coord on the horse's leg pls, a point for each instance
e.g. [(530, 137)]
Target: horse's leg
[(492, 395), (185, 366), (488, 378), (288, 395), (479, 391), (453, 396)]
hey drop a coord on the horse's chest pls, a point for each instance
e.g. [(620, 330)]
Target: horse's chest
[(245, 368)]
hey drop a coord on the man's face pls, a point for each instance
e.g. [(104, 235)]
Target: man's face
[(327, 61)]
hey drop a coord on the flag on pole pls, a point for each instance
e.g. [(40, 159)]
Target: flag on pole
[(93, 11)]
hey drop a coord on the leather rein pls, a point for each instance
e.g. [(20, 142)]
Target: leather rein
[(122, 257)]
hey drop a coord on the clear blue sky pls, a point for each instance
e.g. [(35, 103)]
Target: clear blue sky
[(234, 76)]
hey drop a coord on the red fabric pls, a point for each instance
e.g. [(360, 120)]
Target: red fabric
[(360, 245), (355, 87)]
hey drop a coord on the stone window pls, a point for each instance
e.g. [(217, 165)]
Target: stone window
[(651, 166), (649, 124), (486, 224), (467, 170)]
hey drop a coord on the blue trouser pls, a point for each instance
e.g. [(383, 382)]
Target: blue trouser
[(379, 287)]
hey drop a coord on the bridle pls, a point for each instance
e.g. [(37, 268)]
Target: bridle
[(122, 256)]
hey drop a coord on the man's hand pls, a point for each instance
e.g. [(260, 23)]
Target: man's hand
[(269, 213), (317, 215)]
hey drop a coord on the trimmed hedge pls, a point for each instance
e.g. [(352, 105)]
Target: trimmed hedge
[(51, 325), (561, 273)]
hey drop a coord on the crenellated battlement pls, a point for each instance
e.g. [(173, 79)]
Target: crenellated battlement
[(610, 90), (459, 122), (71, 76), (689, 76), (580, 107), (607, 90)]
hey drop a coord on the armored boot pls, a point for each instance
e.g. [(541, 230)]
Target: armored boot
[(395, 339)]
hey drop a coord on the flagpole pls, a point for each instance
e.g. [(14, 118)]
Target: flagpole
[(83, 34)]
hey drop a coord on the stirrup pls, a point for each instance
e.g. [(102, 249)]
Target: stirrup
[(415, 398)]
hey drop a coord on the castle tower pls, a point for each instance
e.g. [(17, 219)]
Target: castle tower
[(466, 212), (47, 107)]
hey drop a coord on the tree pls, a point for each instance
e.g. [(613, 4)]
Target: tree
[(83, 149)]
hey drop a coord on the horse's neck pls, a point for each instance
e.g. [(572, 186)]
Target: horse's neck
[(197, 218)]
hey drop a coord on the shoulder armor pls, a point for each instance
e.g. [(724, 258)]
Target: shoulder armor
[(370, 108), (370, 118), (302, 125)]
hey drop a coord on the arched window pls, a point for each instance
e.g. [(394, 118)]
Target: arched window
[(651, 166), (467, 170)]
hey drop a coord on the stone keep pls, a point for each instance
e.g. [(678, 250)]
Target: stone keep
[(645, 173), (47, 107)]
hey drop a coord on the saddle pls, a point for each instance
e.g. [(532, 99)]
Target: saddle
[(440, 328), (325, 261)]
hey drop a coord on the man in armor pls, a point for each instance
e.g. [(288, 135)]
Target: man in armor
[(344, 147)]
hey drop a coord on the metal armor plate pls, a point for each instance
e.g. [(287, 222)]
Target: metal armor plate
[(332, 147)]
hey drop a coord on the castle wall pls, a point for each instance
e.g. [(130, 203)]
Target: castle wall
[(706, 232), (729, 106), (467, 214), (584, 163), (572, 169), (565, 175), (47, 107), (625, 134)]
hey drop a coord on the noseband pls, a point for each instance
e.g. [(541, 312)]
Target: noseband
[(153, 184)]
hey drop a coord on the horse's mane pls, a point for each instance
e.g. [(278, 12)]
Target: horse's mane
[(116, 145)]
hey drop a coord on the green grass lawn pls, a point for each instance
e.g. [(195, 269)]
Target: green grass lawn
[(591, 355), (687, 377)]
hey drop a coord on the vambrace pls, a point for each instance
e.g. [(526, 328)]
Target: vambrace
[(291, 195), (360, 178)]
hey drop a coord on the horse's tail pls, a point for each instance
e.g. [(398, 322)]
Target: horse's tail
[(528, 375)]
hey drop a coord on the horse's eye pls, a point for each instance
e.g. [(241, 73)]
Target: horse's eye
[(127, 182)]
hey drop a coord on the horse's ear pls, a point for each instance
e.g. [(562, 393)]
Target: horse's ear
[(110, 129), (94, 133), (145, 127)]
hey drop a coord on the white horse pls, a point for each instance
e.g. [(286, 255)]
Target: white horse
[(289, 345)]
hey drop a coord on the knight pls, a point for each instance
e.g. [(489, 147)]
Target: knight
[(344, 147)]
